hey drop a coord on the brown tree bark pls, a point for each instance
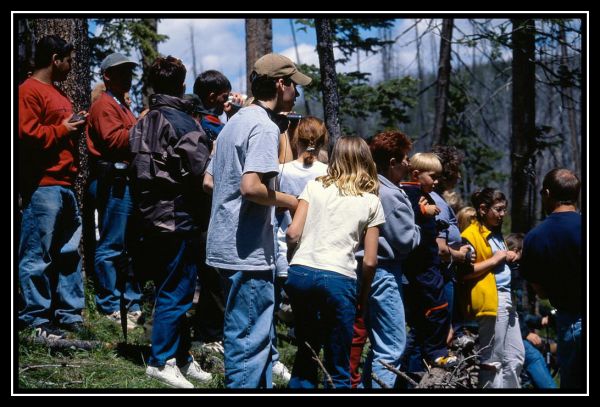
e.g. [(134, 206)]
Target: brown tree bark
[(440, 131), (523, 126), (331, 100), (259, 42)]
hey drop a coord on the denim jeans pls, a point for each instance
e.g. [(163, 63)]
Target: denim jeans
[(536, 367), (112, 261), (386, 325), (427, 311), (247, 330), (502, 353), (277, 296), (569, 350), (324, 306), (174, 263), (49, 263)]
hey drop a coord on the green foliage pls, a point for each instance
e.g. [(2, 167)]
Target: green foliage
[(389, 101), (481, 160), (349, 34), (127, 36)]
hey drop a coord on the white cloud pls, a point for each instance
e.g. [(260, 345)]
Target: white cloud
[(219, 45)]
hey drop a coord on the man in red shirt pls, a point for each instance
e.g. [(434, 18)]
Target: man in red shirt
[(108, 143), (49, 264)]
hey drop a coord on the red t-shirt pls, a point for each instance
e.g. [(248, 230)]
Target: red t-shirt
[(47, 150), (108, 129)]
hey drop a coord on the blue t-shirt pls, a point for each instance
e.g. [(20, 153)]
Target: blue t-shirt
[(240, 233), (552, 258), (501, 271), (452, 234)]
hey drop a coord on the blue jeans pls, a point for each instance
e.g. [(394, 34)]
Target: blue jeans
[(277, 296), (324, 306), (174, 263), (386, 326), (247, 330), (536, 367), (569, 350), (49, 263), (112, 261)]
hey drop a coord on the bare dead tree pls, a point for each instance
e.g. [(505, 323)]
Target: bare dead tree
[(331, 100), (523, 140), (259, 42), (440, 131)]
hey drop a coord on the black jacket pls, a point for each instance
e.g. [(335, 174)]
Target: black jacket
[(170, 152)]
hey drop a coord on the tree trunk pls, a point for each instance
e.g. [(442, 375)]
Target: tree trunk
[(148, 57), (259, 42), (440, 131), (26, 46), (523, 126), (331, 101), (193, 47), (567, 98), (421, 77)]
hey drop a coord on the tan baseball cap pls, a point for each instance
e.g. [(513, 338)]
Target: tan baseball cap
[(277, 66)]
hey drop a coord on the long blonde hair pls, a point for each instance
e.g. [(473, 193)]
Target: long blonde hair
[(351, 168)]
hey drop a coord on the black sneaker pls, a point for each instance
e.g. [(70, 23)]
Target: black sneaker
[(48, 331)]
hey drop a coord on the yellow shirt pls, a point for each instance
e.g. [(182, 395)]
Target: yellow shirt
[(479, 296)]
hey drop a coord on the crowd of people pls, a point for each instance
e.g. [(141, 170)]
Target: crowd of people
[(367, 242)]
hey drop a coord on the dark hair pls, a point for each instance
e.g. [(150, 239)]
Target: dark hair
[(263, 87), (514, 241), (211, 81), (487, 197), (48, 46), (563, 186), (387, 145), (451, 159), (167, 76)]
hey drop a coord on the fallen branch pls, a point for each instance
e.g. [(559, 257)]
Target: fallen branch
[(69, 343), (399, 373), (26, 368), (316, 359), (379, 381)]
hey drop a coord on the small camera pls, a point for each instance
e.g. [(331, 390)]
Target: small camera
[(76, 118), (231, 97), (294, 116)]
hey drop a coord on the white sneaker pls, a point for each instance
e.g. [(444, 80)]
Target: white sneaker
[(281, 371), (169, 374), (194, 371)]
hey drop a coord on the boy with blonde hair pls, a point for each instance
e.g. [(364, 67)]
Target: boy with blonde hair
[(426, 301)]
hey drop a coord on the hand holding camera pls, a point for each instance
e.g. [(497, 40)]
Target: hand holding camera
[(76, 121), (235, 101)]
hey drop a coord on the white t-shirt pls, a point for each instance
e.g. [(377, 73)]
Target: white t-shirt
[(334, 227), (293, 176)]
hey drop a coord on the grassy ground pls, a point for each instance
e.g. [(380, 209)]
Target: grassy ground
[(114, 366)]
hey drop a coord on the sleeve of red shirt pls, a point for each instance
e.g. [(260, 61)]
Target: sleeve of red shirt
[(30, 111), (110, 127)]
